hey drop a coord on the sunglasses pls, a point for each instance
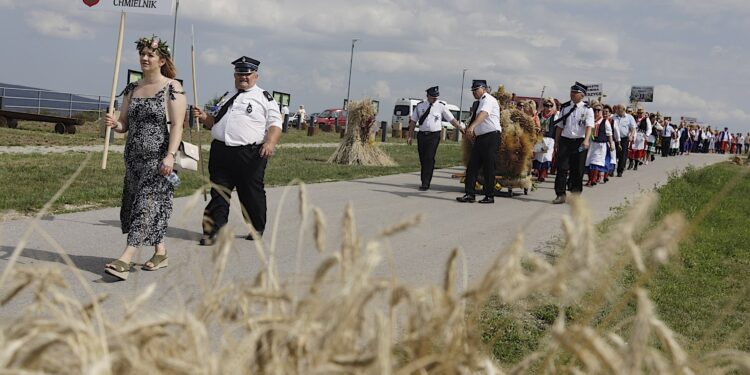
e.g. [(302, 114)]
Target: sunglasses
[(548, 105), (597, 110)]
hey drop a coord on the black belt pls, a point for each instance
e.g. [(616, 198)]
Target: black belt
[(250, 146), (423, 132), (490, 133)]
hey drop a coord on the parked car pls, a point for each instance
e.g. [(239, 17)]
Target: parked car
[(332, 119)]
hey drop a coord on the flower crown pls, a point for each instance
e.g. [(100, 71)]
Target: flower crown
[(155, 44)]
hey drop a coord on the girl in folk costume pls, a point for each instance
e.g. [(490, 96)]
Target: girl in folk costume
[(601, 145), (544, 149), (711, 142), (638, 147), (674, 143), (611, 160), (657, 129)]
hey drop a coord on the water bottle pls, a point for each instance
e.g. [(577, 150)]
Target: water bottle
[(580, 149), (173, 179)]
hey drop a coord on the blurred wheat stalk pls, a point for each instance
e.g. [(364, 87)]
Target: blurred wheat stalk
[(348, 321)]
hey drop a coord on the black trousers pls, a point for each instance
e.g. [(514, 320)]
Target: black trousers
[(570, 159), (239, 167), (483, 155), (427, 145), (622, 154), (665, 142)]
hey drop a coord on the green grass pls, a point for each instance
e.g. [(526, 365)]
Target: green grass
[(30, 180), (703, 295), (30, 133)]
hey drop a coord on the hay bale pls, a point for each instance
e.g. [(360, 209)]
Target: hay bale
[(358, 147)]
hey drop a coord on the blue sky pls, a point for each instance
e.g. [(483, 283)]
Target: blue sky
[(691, 51)]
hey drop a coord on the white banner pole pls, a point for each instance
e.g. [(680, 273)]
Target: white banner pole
[(195, 104), (111, 110)]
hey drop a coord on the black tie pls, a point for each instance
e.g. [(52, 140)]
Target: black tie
[(225, 107)]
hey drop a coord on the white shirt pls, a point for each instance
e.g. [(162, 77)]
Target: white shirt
[(434, 120), (285, 110), (667, 130), (488, 103), (249, 118), (624, 125), (575, 125)]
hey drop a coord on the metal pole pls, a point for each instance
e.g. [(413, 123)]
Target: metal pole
[(539, 110), (174, 31), (349, 86), (461, 105), (70, 108)]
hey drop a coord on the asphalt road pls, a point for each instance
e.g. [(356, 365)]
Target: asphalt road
[(93, 238)]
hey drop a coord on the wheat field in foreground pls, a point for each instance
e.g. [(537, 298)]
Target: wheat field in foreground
[(347, 321)]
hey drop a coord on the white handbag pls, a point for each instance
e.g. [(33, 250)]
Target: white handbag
[(188, 154)]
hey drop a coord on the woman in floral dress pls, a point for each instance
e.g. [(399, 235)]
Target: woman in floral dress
[(150, 153)]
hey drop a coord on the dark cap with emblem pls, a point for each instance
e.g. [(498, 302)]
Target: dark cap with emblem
[(245, 65), (433, 91), (579, 87), (477, 83)]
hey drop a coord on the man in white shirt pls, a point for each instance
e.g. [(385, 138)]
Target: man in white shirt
[(484, 132), (285, 118), (624, 125), (666, 137), (246, 129), (429, 115), (300, 116), (575, 121)]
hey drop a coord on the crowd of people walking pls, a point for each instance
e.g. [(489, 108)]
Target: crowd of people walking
[(603, 141)]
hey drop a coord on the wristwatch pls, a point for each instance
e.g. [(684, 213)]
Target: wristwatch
[(174, 154)]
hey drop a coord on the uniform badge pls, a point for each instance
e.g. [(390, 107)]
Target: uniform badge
[(249, 108)]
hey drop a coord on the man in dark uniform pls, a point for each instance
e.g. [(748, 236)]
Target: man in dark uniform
[(246, 129), (429, 115), (575, 121)]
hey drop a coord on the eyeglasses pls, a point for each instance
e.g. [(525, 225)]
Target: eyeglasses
[(548, 105), (521, 105)]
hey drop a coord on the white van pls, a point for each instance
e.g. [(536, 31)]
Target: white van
[(405, 107)]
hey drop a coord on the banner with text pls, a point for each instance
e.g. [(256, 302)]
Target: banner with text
[(594, 90), (642, 94), (164, 7)]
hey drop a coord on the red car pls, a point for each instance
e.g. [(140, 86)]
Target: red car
[(332, 119)]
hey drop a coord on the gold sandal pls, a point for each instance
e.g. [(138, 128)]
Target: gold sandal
[(119, 269), (158, 261)]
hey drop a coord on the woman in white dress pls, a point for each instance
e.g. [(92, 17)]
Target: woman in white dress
[(544, 149), (601, 144)]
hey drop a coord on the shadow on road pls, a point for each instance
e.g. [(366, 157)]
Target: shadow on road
[(172, 232), (86, 263)]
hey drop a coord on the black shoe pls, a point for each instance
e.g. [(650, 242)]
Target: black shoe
[(467, 198), (424, 188), (207, 240), (251, 238), (619, 174), (487, 199), (630, 165)]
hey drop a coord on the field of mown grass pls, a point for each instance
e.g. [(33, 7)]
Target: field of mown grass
[(30, 180)]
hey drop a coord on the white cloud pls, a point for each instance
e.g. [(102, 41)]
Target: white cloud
[(671, 100), (390, 62), (57, 26), (381, 90), (220, 56)]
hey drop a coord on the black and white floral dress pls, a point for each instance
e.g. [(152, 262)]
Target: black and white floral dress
[(146, 194)]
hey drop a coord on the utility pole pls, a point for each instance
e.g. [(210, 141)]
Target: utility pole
[(461, 105), (349, 85)]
